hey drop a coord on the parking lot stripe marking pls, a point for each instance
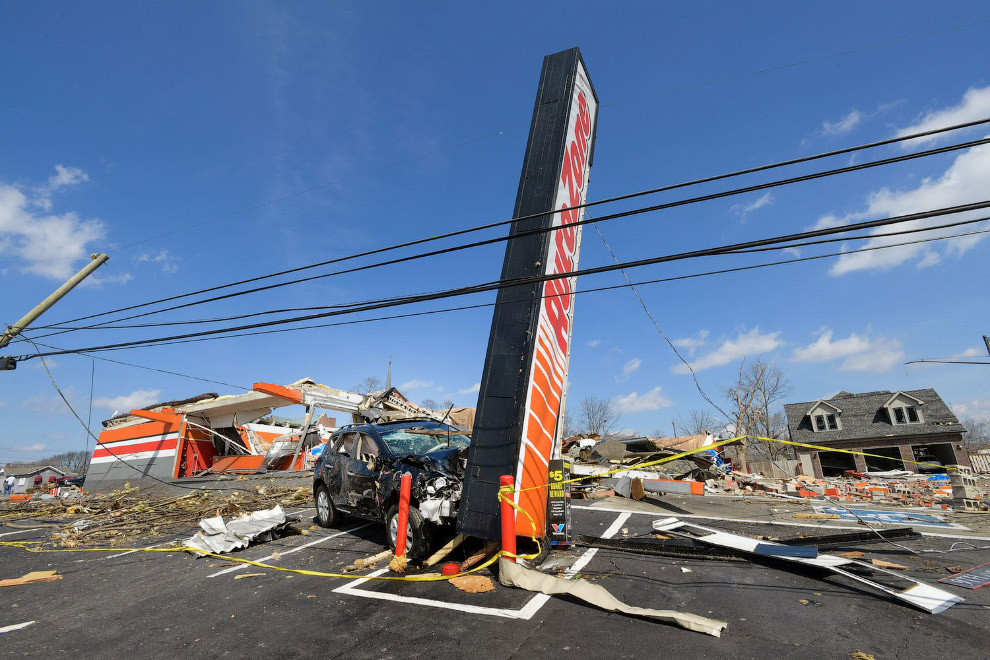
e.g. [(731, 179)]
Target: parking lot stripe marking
[(291, 550), (16, 626), (157, 545), (661, 514), (21, 531), (527, 611)]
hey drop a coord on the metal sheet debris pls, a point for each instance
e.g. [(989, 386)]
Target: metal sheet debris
[(217, 536), (974, 578), (923, 596)]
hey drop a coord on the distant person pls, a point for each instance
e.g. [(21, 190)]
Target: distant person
[(8, 485)]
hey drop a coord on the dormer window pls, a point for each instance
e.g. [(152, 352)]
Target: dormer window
[(903, 408), (824, 416), (906, 415)]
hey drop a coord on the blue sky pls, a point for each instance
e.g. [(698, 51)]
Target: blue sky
[(180, 139)]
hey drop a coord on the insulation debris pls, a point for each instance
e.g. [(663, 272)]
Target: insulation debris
[(31, 578), (473, 584), (512, 574)]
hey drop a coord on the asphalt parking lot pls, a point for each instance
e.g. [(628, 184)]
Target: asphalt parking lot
[(159, 605)]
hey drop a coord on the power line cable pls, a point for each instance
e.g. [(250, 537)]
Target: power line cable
[(236, 317), (682, 202), (499, 284), (593, 290)]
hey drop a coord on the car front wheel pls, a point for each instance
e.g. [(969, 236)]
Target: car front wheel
[(417, 532), (326, 512)]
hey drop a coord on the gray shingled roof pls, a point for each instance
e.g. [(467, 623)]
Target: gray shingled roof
[(863, 417)]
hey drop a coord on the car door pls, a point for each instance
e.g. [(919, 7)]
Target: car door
[(362, 476), (335, 465)]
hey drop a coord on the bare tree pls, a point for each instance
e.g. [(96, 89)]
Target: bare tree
[(430, 404), (754, 399), (369, 385), (977, 434), (598, 416), (447, 404), (569, 428), (699, 420)]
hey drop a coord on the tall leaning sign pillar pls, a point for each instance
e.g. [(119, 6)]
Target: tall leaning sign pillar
[(520, 404)]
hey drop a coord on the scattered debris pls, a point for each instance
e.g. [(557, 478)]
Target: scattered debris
[(16, 626), (974, 578), (512, 574), (478, 557), (923, 596), (241, 576), (852, 554), (859, 655), (886, 564), (685, 569), (398, 564), (31, 578), (367, 562), (473, 584)]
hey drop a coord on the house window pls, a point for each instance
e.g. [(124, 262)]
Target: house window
[(912, 414), (899, 417), (819, 422), (832, 422)]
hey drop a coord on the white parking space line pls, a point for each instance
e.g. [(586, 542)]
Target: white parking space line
[(291, 550), (16, 626), (21, 531), (127, 552), (664, 514), (531, 607)]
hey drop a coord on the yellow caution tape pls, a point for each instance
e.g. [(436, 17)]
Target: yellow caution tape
[(505, 495), (23, 545)]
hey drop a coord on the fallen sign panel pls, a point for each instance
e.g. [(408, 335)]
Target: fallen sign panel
[(973, 578), (885, 517), (925, 597)]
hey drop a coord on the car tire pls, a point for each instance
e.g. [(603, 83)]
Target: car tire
[(418, 532), (326, 512)]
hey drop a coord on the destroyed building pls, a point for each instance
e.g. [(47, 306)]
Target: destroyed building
[(905, 430)]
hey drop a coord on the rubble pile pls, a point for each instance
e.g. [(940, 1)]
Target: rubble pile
[(903, 488), (131, 512)]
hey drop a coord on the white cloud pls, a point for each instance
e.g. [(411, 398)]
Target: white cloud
[(45, 404), (51, 243), (470, 390), (884, 355), (842, 126), (595, 343), (629, 368), (415, 384), (975, 105), (692, 343), (750, 343), (930, 258), (38, 446), (861, 353), (824, 349), (166, 260), (972, 352), (978, 409), (127, 402), (965, 181), (635, 402), (766, 199)]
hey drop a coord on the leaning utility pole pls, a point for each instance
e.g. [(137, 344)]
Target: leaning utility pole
[(46, 304)]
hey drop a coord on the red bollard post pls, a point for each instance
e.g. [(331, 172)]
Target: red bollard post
[(507, 488), (405, 489)]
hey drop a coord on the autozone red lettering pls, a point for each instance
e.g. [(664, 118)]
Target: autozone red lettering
[(557, 315)]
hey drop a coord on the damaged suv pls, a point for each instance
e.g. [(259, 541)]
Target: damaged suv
[(360, 471)]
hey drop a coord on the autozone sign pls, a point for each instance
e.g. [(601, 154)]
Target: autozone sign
[(548, 375)]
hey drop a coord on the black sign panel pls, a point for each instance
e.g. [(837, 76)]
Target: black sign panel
[(559, 504)]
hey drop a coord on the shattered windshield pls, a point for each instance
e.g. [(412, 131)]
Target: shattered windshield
[(417, 440)]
